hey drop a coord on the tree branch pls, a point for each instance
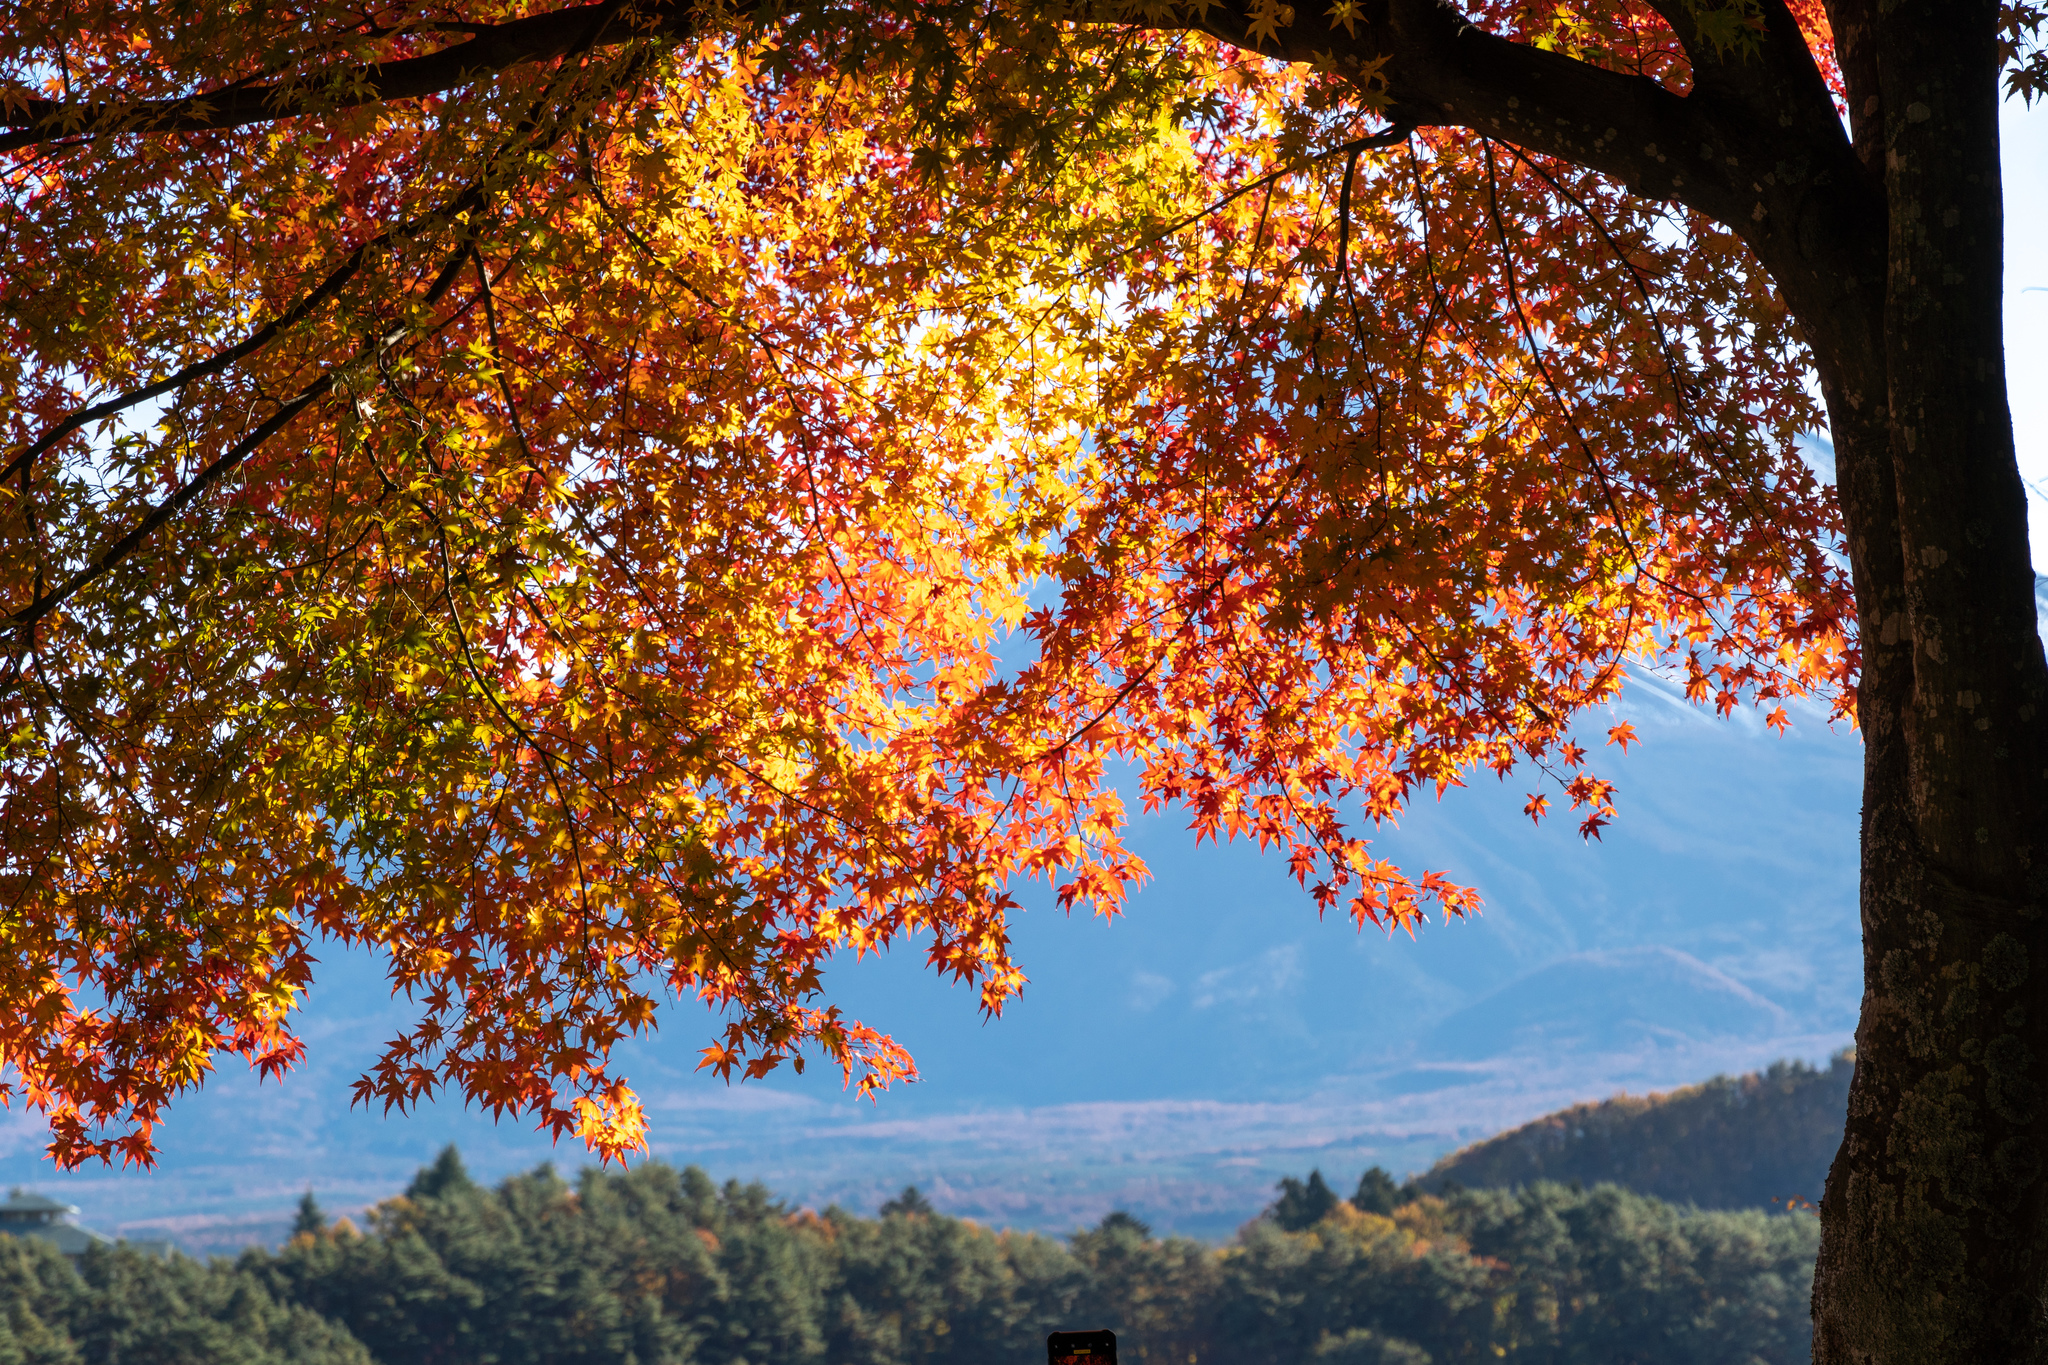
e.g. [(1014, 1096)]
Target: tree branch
[(494, 48), (25, 620), (1722, 150), (23, 462)]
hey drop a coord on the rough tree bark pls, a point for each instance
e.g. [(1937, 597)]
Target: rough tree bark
[(1885, 241), (1935, 1244)]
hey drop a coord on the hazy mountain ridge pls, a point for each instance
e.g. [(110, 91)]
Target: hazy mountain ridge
[(1608, 1001), (1199, 1168), (1740, 1142), (1179, 1061)]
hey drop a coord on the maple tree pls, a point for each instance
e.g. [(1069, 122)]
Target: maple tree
[(618, 500)]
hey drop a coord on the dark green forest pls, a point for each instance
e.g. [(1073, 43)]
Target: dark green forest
[(1729, 1143), (657, 1266)]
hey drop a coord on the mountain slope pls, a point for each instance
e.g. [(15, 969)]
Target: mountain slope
[(1725, 1144), (1608, 1001), (1177, 1061)]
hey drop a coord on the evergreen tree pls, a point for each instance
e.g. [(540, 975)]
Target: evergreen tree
[(1302, 1206), (653, 1266), (310, 1220), (447, 1176), (1160, 1296), (138, 1309), (908, 1204), (39, 1294), (1377, 1193)]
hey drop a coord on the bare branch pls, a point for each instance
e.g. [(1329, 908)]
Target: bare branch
[(23, 462), (494, 48), (1713, 150), (222, 465)]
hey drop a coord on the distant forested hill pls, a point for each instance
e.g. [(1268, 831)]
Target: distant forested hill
[(1727, 1144)]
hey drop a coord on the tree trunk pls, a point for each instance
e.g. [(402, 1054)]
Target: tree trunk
[(1887, 248), (1934, 1233)]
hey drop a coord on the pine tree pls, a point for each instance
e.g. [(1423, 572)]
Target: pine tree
[(1303, 1205), (310, 1221), (908, 1204), (1377, 1193), (445, 1177)]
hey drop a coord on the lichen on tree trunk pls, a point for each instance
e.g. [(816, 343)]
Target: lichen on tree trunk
[(1935, 1245)]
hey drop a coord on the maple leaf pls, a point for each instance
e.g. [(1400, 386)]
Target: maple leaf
[(648, 522), (1265, 21), (1730, 26)]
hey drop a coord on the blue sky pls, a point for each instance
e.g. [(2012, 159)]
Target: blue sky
[(1178, 1059)]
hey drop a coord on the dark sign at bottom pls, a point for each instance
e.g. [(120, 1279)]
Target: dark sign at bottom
[(1081, 1348)]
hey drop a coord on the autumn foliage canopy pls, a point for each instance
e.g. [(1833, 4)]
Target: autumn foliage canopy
[(733, 488)]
